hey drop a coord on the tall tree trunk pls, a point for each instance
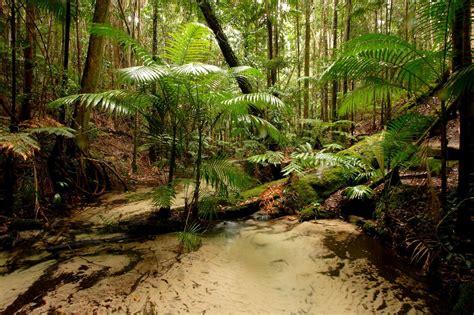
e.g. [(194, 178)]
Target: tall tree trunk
[(92, 68), (462, 58), (28, 53), (223, 42), (269, 24), (66, 40), (347, 36), (307, 48), (9, 165), (298, 59), (334, 46), (325, 89)]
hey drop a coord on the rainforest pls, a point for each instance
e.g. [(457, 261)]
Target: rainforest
[(236, 157)]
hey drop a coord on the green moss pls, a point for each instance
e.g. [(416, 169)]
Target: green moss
[(364, 148), (307, 214), (312, 188), (257, 191)]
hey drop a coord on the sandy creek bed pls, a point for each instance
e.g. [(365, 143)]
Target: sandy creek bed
[(251, 267)]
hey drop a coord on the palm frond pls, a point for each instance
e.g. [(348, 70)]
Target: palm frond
[(189, 44), (55, 7), (113, 101), (359, 192), (259, 100), (19, 144), (142, 74), (196, 69), (125, 40), (223, 175), (57, 131), (164, 195), (459, 82), (189, 237), (270, 157)]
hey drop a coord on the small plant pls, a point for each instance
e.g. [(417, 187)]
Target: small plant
[(189, 237)]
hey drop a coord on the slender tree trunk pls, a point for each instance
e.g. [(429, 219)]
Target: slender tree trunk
[(298, 59), (67, 37), (194, 206), (92, 68), (13, 118), (325, 89), (223, 42), (462, 58), (334, 46), (307, 48), (9, 172), (347, 36), (28, 53), (269, 24)]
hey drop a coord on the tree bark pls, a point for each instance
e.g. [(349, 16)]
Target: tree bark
[(334, 46), (462, 58), (307, 48), (325, 89), (92, 68), (269, 24), (28, 53), (223, 42), (347, 36), (66, 40)]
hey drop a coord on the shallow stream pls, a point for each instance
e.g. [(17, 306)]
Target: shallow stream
[(251, 267)]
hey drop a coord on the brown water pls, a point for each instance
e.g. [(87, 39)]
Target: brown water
[(276, 267)]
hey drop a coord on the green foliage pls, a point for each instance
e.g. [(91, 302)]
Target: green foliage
[(269, 157), (190, 43), (189, 237), (125, 40), (398, 142), (359, 192), (164, 195), (223, 175), (24, 144), (20, 144)]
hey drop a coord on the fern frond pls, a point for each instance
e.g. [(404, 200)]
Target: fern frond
[(259, 100), (189, 44), (223, 175), (142, 74), (19, 144), (196, 69), (270, 157), (163, 196), (114, 101), (125, 40), (359, 192)]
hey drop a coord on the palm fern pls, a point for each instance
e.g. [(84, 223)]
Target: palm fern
[(359, 192), (269, 157), (125, 40), (164, 195), (24, 144), (189, 237), (223, 175), (190, 43)]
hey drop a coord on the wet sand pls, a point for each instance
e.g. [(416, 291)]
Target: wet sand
[(277, 267)]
